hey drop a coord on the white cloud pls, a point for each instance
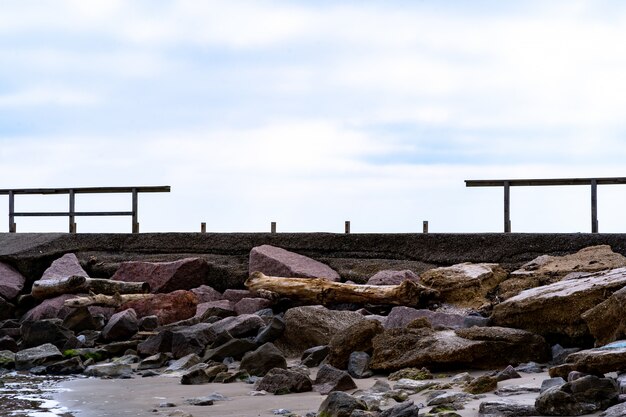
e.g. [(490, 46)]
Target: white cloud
[(45, 96)]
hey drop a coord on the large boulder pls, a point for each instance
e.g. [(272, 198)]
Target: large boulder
[(310, 326), (585, 395), (401, 316), (274, 261), (608, 358), (121, 326), (465, 284), (53, 308), (169, 308), (261, 360), (357, 338), (285, 381), (36, 356), (340, 404), (64, 267), (390, 277), (11, 282), (35, 333), (191, 339), (476, 347), (164, 277), (607, 320), (554, 311), (331, 379)]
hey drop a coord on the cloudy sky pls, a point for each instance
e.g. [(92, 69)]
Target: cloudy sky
[(310, 113)]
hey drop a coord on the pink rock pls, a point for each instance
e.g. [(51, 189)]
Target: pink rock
[(11, 282), (389, 277), (174, 306), (165, 277), (220, 306), (67, 265), (274, 261), (236, 295), (53, 308), (206, 294), (401, 316), (251, 305), (122, 325)]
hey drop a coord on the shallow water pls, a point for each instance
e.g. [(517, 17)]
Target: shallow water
[(25, 395)]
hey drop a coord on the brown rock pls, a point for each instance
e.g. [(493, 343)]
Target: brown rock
[(64, 267), (465, 284), (11, 282), (356, 338), (401, 316), (164, 277), (598, 361), (169, 308), (279, 262), (206, 294), (482, 384), (607, 320), (555, 310), (389, 277)]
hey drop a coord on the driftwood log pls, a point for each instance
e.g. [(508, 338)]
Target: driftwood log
[(321, 291), (78, 284), (104, 300)]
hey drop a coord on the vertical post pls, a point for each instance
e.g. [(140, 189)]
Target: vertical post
[(12, 228), (273, 227), (135, 213), (347, 227), (203, 227), (72, 211), (425, 226), (594, 206), (507, 207)]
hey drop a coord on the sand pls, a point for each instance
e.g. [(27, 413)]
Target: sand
[(92, 397)]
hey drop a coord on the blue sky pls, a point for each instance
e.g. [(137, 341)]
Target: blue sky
[(313, 113)]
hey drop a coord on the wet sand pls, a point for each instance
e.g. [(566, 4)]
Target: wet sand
[(90, 397)]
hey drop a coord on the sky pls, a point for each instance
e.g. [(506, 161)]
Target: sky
[(311, 113)]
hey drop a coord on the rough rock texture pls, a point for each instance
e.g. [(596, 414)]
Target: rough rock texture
[(110, 370), (261, 360), (355, 338), (482, 384), (310, 326), (191, 339), (169, 308), (554, 310), (401, 316), (239, 326), (477, 347), (121, 326), (80, 319), (314, 356), (609, 358), (251, 305), (279, 262), (340, 404), (206, 293), (359, 365), (618, 410), (582, 396), (331, 379), (235, 295), (165, 277), (221, 308), (35, 333), (234, 348), (607, 320), (271, 332), (390, 277), (505, 408), (285, 381), (465, 284), (50, 308), (65, 266), (36, 356), (11, 282)]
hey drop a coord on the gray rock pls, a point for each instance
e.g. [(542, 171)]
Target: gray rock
[(37, 356), (559, 354), (121, 326), (239, 326), (81, 319), (261, 360), (7, 359), (505, 408), (234, 295), (67, 367), (8, 343), (279, 262), (451, 397), (219, 308), (552, 382), (507, 373), (251, 305), (35, 333), (148, 323), (331, 379), (109, 370), (154, 362), (530, 368), (192, 339), (413, 386), (401, 316), (234, 348), (7, 310), (358, 365), (582, 396), (511, 390), (314, 356), (340, 404), (284, 381), (390, 277), (271, 332), (197, 375), (184, 363), (405, 409), (618, 410)]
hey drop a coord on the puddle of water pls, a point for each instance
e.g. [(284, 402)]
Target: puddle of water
[(25, 395)]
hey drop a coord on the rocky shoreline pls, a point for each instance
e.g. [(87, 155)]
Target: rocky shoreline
[(560, 317)]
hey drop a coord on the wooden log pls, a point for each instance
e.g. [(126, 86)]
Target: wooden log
[(104, 300), (76, 284), (321, 291)]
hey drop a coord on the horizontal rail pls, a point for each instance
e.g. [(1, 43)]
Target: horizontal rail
[(76, 213), (545, 182), (88, 190)]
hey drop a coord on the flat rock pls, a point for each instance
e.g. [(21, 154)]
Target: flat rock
[(279, 262), (505, 408), (165, 277), (11, 282), (36, 356), (618, 410), (391, 277), (169, 308), (555, 310), (401, 316), (251, 305), (608, 358), (219, 308), (239, 326), (64, 267), (183, 363), (109, 370)]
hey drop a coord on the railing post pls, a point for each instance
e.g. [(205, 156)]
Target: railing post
[(594, 206), (347, 227), (72, 211), (273, 227), (135, 211), (12, 226), (507, 207), (203, 227), (425, 226)]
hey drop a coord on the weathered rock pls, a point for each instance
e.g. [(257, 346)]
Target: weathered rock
[(510, 390), (154, 362), (582, 396), (251, 305), (169, 308), (119, 348), (505, 408), (11, 282), (482, 384), (51, 308), (554, 310), (331, 379), (359, 365), (390, 277), (401, 316), (121, 326), (191, 339), (235, 295), (234, 348), (284, 381), (219, 308), (411, 373), (197, 375), (165, 277), (609, 358), (35, 333), (559, 354), (239, 326), (507, 373), (606, 320), (64, 267), (618, 410), (405, 409), (184, 363), (279, 262), (8, 343), (82, 319), (36, 356), (69, 366), (160, 342), (310, 326), (551, 382), (340, 404), (477, 347), (206, 294), (109, 370), (450, 398), (7, 310), (355, 338), (465, 284), (314, 356), (7, 359), (271, 332), (148, 323), (261, 360), (413, 386)]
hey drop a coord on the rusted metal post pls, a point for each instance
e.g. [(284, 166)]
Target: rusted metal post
[(594, 206), (425, 226), (273, 227), (72, 212), (203, 227), (12, 226), (507, 207), (347, 227), (135, 211)]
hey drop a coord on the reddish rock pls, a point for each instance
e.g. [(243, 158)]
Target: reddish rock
[(389, 277), (206, 294), (51, 308), (11, 282), (274, 261), (236, 295), (221, 308), (165, 277), (170, 307), (66, 266), (401, 316), (251, 305)]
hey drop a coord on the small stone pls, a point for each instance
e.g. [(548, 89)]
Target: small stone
[(257, 393), (482, 384)]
